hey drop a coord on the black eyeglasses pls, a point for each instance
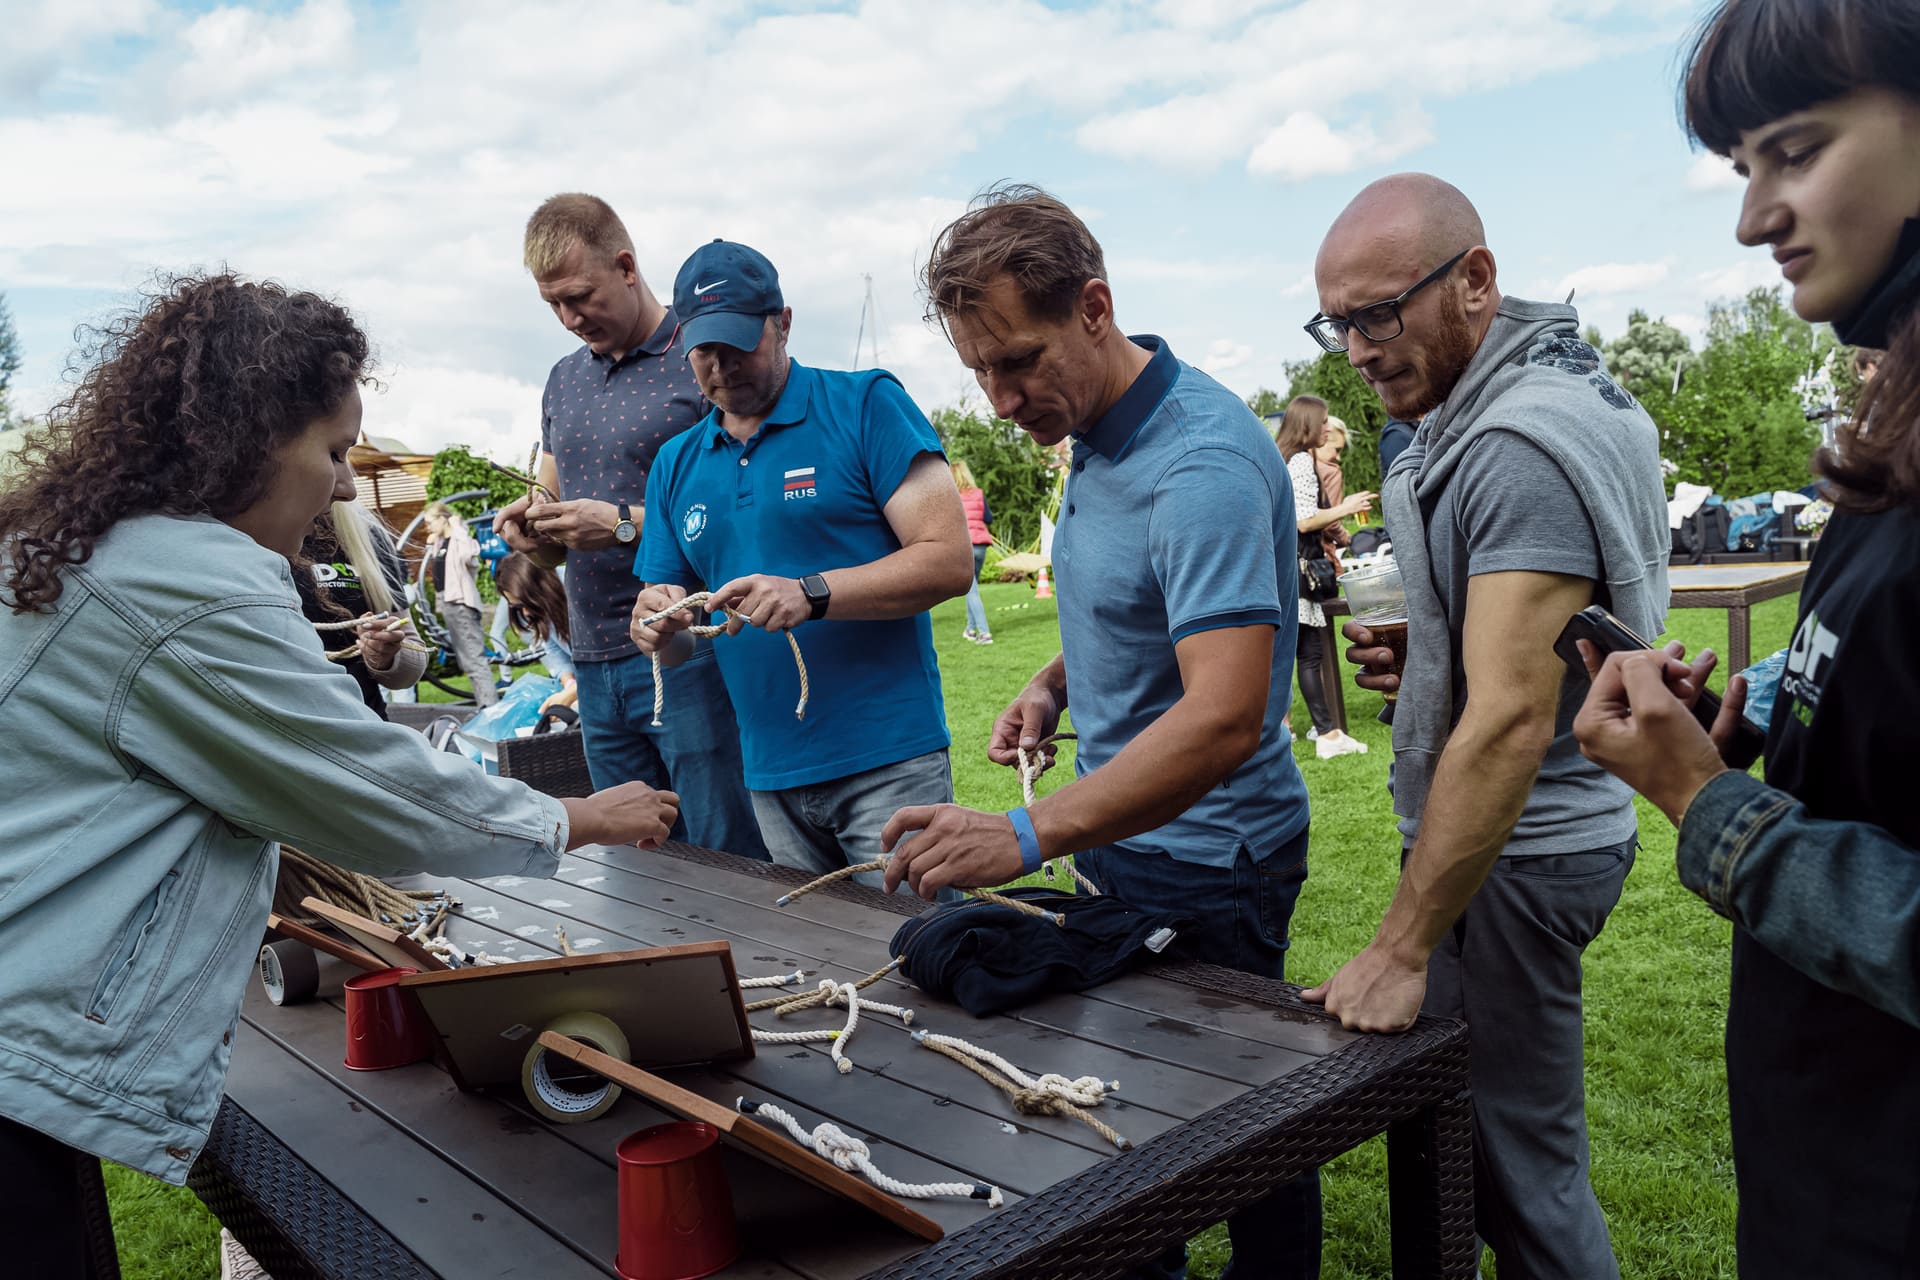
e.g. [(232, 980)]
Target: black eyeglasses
[(1379, 322)]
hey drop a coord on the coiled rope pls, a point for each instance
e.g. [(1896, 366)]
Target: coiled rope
[(695, 601), (849, 1153)]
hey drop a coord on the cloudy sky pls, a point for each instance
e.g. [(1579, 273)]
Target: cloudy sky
[(389, 153)]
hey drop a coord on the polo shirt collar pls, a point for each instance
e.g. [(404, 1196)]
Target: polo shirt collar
[(790, 408), (1116, 429), (657, 343)]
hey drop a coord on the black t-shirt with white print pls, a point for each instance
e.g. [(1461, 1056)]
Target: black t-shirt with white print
[(331, 578), (1824, 1087)]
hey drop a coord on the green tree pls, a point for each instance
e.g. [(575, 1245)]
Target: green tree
[(1737, 422), (1266, 403), (1350, 399), (1015, 473), (457, 469), (1647, 354), (9, 365)]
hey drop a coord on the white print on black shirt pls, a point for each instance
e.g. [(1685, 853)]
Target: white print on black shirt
[(1813, 648)]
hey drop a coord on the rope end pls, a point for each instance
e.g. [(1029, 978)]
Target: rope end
[(920, 1037), (658, 723), (745, 1107), (906, 1017), (1125, 1144), (981, 1191), (845, 1065), (783, 900)]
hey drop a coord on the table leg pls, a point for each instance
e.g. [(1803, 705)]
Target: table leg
[(1430, 1192), (1332, 676), (1739, 638)]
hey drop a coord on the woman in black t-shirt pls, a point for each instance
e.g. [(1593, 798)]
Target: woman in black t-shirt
[(349, 568), (1818, 106)]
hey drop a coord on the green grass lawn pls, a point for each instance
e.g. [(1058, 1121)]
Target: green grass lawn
[(1655, 993)]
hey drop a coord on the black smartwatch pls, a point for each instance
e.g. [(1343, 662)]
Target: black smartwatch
[(624, 530), (817, 593)]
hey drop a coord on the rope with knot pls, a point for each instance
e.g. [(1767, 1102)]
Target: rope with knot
[(783, 1005), (1031, 767), (880, 864), (849, 1153), (694, 601), (1047, 1095)]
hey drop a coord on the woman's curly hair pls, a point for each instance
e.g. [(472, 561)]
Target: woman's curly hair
[(181, 407)]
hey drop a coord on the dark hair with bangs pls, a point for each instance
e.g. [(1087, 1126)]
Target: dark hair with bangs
[(1754, 61)]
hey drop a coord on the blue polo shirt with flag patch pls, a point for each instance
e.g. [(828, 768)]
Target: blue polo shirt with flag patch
[(1178, 519), (805, 494)]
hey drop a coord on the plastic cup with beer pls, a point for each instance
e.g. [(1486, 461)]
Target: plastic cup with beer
[(1378, 602)]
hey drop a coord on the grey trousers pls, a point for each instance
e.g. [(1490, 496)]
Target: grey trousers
[(463, 628), (1511, 969), (825, 826)]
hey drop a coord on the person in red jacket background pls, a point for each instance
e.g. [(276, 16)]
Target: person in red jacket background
[(979, 516)]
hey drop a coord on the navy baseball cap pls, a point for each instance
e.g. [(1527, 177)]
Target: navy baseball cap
[(724, 293)]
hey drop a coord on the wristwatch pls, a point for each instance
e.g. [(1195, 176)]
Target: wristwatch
[(817, 593), (624, 530)]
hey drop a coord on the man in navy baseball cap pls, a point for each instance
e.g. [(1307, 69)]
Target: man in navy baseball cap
[(724, 293)]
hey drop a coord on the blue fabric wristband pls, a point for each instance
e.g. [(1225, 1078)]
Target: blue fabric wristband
[(1030, 858)]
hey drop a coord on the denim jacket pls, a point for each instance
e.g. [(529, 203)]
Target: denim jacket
[(1848, 917), (162, 729)]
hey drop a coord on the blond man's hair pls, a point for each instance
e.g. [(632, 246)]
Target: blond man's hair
[(573, 218)]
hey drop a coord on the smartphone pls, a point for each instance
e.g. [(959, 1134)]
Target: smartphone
[(1610, 635)]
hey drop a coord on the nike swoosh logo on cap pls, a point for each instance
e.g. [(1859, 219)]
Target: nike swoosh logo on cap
[(702, 288)]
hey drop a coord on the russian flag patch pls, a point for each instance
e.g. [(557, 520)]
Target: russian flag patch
[(799, 483)]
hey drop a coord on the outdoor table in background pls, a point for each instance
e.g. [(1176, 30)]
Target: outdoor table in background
[(1733, 587), (1229, 1084)]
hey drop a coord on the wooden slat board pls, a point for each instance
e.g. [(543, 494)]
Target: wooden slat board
[(323, 942), (391, 947), (746, 1134), (677, 1005)]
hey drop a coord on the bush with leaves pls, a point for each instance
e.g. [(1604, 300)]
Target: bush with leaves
[(1351, 400), (1015, 473), (1645, 358)]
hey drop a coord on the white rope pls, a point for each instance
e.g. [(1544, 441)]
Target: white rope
[(797, 1037), (694, 601), (777, 980), (1083, 1091), (842, 1063), (1031, 767), (837, 996), (853, 1155)]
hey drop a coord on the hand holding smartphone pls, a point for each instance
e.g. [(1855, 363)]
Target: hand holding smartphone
[(1608, 634)]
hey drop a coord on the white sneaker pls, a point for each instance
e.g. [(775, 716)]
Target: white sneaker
[(1313, 735), (1336, 743)]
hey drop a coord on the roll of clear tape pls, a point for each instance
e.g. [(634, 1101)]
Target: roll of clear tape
[(562, 1103)]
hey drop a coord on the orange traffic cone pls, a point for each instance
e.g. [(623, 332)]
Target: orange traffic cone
[(1043, 590)]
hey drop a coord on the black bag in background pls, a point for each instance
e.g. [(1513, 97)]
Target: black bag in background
[(987, 958), (1704, 531)]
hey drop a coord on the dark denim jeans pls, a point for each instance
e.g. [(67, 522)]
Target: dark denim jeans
[(695, 752), (1244, 912)]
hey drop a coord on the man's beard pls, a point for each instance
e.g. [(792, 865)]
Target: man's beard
[(1453, 350)]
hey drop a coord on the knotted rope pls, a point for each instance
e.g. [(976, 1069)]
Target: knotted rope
[(984, 895), (694, 601), (1047, 1095), (783, 1005), (353, 650), (1031, 767), (853, 1155)]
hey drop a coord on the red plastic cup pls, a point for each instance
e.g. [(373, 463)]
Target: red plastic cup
[(676, 1211), (385, 1027)]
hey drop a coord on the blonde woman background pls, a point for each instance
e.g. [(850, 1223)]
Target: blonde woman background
[(452, 554), (1303, 429)]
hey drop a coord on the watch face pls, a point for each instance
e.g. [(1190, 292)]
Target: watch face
[(623, 532)]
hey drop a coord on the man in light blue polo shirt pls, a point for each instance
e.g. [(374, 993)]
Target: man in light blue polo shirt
[(1176, 558), (817, 498)]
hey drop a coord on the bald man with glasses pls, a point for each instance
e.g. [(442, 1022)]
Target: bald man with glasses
[(1531, 490)]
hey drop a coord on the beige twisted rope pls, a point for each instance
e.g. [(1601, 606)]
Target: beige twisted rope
[(1031, 767), (421, 912), (983, 895), (353, 650), (1047, 1095), (783, 1005), (694, 601)]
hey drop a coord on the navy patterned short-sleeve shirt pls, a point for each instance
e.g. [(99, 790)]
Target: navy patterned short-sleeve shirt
[(603, 421)]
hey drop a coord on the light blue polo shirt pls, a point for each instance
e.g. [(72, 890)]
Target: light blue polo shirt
[(805, 494), (1178, 518)]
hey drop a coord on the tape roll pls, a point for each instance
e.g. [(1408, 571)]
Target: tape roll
[(559, 1100)]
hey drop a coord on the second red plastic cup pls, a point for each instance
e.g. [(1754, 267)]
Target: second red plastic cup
[(385, 1027), (676, 1211)]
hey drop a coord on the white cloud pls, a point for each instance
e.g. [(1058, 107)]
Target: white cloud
[(1612, 277), (1306, 146), (42, 38), (429, 407), (1710, 172), (1735, 281), (1225, 355), (233, 50), (1299, 288)]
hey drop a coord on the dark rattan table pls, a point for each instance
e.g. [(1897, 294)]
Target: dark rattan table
[(1229, 1084)]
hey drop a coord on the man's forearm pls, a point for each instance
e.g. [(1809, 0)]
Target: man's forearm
[(908, 581), (1157, 777), (1479, 789)]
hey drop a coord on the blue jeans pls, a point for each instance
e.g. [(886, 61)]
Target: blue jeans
[(976, 608), (824, 826), (1244, 912), (695, 752)]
